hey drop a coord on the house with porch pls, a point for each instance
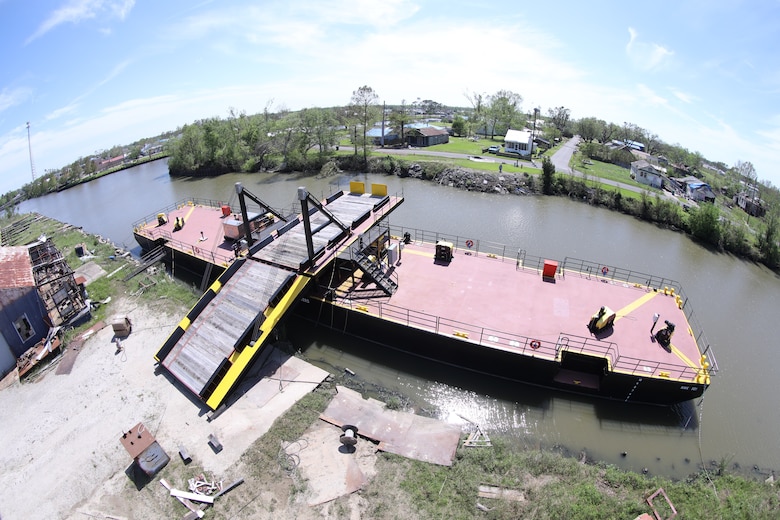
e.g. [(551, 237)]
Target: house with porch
[(519, 142), (427, 136), (646, 173)]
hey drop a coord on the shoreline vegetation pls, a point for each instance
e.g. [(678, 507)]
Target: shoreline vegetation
[(553, 482), (328, 141)]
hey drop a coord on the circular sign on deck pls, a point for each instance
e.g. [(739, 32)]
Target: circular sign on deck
[(469, 243)]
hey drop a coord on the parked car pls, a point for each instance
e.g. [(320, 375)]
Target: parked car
[(494, 149)]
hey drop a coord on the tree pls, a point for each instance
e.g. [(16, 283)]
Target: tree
[(588, 128), (365, 101), (767, 242), (504, 112), (477, 116), (188, 153), (458, 125), (608, 132), (430, 107), (747, 172), (400, 118), (559, 117), (548, 170), (315, 130), (704, 224)]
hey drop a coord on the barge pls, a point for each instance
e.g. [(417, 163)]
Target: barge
[(573, 325)]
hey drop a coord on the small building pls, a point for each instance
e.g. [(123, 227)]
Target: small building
[(696, 189), (375, 135), (646, 173), (111, 162), (428, 136), (519, 142), (750, 203), (23, 319), (38, 291)]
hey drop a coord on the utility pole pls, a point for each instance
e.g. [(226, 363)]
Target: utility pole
[(384, 110), (29, 147)]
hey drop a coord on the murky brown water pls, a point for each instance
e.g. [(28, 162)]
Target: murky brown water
[(735, 301)]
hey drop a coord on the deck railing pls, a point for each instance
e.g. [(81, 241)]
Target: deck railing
[(190, 201), (524, 344), (571, 267)]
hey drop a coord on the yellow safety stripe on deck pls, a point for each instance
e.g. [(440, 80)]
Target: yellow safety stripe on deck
[(189, 213), (412, 252), (631, 307), (244, 358), (628, 309), (683, 357)]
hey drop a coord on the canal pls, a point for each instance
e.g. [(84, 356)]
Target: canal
[(735, 301)]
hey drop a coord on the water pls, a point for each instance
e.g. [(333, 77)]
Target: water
[(735, 301)]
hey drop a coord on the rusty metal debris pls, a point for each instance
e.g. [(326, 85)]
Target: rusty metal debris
[(145, 451)]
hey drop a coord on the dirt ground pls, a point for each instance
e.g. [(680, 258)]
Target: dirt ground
[(61, 455)]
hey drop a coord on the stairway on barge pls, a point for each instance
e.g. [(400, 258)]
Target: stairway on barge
[(374, 271)]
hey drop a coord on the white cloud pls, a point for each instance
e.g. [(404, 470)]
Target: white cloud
[(644, 55), (682, 96), (76, 11), (12, 97), (73, 105), (649, 96)]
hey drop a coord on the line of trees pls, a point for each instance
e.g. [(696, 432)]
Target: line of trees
[(243, 143)]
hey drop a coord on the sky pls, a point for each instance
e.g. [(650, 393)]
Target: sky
[(91, 74)]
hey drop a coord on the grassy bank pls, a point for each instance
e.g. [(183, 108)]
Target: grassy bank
[(149, 286), (551, 485)]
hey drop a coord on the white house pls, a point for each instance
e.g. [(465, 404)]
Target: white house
[(519, 142), (646, 173), (697, 190)]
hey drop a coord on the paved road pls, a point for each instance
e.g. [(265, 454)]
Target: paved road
[(562, 156), (560, 160)]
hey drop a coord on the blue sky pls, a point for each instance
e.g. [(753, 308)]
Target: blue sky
[(90, 74)]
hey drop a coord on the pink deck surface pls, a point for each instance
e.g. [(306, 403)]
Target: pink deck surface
[(198, 219), (491, 301)]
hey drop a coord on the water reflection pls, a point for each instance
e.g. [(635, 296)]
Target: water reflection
[(517, 412)]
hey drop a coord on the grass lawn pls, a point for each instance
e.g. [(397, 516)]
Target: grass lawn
[(466, 146), (593, 168)]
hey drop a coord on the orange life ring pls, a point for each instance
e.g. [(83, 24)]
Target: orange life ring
[(469, 243), (605, 270), (535, 344)]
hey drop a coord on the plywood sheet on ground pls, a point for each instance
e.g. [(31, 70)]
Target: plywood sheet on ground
[(402, 433), (90, 271), (330, 469)]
